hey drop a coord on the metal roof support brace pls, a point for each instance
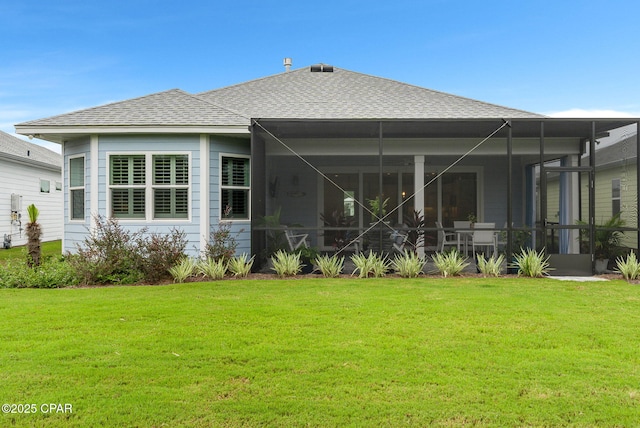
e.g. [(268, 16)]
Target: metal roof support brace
[(509, 190), (592, 190), (638, 179)]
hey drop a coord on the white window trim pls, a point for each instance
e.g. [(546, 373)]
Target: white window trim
[(148, 186), (220, 187), (83, 187), (42, 180), (619, 198)]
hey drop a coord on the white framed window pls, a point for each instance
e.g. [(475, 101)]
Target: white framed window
[(151, 186), (76, 187), (235, 187), (615, 196), (45, 186)]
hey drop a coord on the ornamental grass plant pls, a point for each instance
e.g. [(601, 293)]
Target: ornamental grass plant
[(184, 269), (491, 266), (532, 263), (628, 267), (330, 266), (211, 268), (286, 264), (240, 266), (450, 263), (408, 264), (370, 266)]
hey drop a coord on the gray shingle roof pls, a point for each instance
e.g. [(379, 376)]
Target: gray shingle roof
[(625, 149), (303, 94), (298, 94), (169, 108), (24, 150)]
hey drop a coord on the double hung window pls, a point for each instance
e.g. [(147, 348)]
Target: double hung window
[(234, 187), (76, 188)]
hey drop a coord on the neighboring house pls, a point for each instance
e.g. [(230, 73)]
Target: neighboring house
[(316, 145), (616, 189), (29, 174)]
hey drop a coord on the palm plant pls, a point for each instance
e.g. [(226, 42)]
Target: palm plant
[(34, 231)]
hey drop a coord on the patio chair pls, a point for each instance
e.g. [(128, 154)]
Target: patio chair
[(463, 233), (445, 238), (296, 240), (399, 238), (484, 236)]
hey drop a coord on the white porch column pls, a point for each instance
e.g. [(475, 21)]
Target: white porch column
[(205, 177), (418, 189), (94, 188)]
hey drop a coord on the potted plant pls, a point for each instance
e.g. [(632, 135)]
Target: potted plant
[(338, 219), (471, 217), (378, 208), (307, 256), (608, 237), (415, 223)]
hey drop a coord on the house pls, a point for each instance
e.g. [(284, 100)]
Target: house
[(30, 174), (616, 190), (318, 146)]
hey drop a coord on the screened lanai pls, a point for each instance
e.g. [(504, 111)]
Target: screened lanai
[(350, 185)]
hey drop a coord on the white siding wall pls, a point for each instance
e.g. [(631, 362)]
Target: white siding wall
[(240, 229), (75, 231), (24, 179)]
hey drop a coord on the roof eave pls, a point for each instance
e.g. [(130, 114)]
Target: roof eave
[(58, 134)]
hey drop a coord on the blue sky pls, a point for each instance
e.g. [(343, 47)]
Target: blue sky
[(549, 57)]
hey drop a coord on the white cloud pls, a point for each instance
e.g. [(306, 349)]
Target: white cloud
[(594, 113)]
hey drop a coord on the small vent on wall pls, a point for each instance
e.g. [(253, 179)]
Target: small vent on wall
[(322, 68)]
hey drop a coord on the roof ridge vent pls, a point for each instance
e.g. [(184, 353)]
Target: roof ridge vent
[(321, 68)]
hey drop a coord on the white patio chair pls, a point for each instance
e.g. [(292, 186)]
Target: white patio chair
[(463, 233), (296, 240), (444, 237), (483, 236), (399, 238)]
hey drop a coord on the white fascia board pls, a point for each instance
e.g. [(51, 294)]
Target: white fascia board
[(43, 130)]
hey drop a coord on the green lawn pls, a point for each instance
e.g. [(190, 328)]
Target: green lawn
[(51, 248), (318, 352)]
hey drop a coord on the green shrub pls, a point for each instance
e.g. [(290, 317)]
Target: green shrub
[(240, 267), (222, 244), (373, 265), (286, 264), (491, 266), (183, 269), (158, 252), (409, 264), (52, 273), (330, 266), (108, 255), (531, 263), (212, 269), (629, 267), (449, 264), (114, 255)]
